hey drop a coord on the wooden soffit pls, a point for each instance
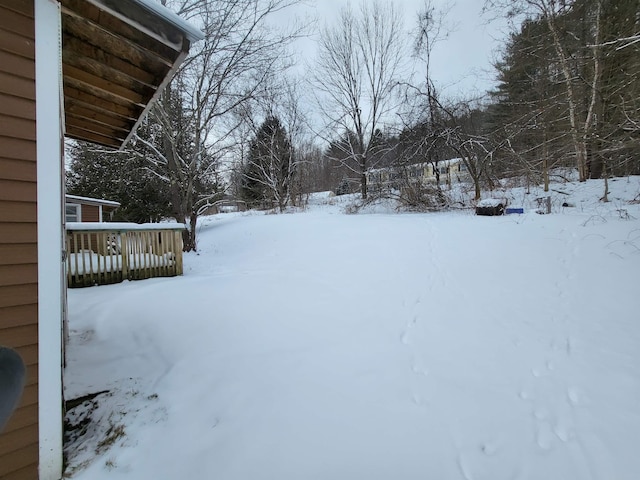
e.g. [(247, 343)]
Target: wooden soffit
[(117, 56)]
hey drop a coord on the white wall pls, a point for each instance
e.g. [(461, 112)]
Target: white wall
[(50, 195)]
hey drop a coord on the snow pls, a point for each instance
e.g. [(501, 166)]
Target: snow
[(122, 226), (321, 345), (101, 201), (491, 202), (86, 261)]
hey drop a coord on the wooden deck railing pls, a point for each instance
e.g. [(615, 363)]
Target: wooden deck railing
[(104, 253)]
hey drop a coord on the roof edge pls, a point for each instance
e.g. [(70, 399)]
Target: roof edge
[(192, 33), (89, 200)]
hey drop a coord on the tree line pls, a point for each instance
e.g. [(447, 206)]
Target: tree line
[(235, 123)]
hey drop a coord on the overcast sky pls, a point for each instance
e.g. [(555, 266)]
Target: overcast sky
[(461, 63)]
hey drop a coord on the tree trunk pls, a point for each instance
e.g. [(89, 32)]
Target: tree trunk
[(579, 133), (189, 235), (605, 197), (363, 186), (363, 177)]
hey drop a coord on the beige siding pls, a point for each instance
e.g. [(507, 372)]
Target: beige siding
[(18, 230)]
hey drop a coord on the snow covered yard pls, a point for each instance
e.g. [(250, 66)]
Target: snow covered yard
[(320, 345)]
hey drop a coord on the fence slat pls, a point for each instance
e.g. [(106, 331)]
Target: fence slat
[(148, 266), (178, 250), (75, 247), (68, 259)]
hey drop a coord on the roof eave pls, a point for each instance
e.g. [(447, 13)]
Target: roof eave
[(160, 89), (193, 34)]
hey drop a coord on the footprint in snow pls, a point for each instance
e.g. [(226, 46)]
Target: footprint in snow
[(489, 448), (483, 461), (568, 346), (573, 395), (541, 413), (544, 435), (562, 432), (418, 370)]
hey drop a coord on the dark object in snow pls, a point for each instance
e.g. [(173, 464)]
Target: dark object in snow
[(514, 210), (568, 204), (490, 207), (12, 373)]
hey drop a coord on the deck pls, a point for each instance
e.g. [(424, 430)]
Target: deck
[(105, 253)]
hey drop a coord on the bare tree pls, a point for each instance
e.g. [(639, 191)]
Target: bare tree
[(464, 134), (357, 67), (196, 115), (424, 136)]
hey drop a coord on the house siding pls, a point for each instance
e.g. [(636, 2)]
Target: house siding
[(18, 229), (90, 213)]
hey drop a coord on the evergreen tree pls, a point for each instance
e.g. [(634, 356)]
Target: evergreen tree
[(270, 169), (570, 84), (120, 177), (615, 142)]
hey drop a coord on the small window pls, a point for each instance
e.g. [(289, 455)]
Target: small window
[(72, 212)]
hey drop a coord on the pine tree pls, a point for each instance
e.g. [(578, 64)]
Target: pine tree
[(120, 177), (270, 169)]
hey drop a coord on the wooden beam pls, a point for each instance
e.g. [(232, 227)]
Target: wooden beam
[(79, 134), (106, 20), (93, 34), (97, 115), (99, 70), (78, 92), (96, 52), (90, 125), (98, 83)]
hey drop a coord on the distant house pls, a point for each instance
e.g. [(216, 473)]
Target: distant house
[(227, 204), (396, 176), (89, 70), (85, 209)]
